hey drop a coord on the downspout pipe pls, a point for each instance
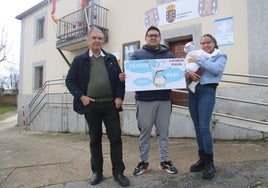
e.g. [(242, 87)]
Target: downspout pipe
[(64, 57)]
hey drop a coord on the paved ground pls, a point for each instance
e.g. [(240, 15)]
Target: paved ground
[(53, 160)]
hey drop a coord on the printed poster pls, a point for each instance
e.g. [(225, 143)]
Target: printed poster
[(224, 31), (154, 74)]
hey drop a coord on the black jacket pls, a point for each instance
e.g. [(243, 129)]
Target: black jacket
[(78, 77)]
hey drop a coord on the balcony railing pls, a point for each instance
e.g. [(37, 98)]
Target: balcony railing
[(72, 29)]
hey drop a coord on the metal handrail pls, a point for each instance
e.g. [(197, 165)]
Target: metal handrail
[(243, 101), (42, 95), (248, 76), (240, 118), (246, 83), (245, 75), (40, 91)]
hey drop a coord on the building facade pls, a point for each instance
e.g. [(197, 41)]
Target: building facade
[(53, 32)]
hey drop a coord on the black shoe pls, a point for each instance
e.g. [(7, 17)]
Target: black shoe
[(122, 179), (198, 166), (209, 171), (96, 178)]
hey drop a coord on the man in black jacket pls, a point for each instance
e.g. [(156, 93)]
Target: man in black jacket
[(153, 107), (93, 80)]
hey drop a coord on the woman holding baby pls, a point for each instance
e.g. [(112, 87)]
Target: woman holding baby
[(201, 102)]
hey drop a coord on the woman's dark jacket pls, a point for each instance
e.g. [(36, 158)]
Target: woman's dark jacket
[(77, 78), (147, 53)]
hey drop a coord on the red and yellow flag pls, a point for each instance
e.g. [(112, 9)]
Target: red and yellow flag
[(53, 10)]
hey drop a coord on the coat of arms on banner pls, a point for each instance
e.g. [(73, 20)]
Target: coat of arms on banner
[(207, 7), (171, 13), (151, 17)]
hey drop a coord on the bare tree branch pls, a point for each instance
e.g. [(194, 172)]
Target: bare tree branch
[(3, 45)]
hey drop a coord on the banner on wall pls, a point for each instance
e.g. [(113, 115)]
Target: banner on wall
[(224, 31), (154, 74), (180, 10)]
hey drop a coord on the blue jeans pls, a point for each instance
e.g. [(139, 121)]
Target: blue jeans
[(201, 105)]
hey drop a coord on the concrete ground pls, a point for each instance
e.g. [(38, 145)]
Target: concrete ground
[(54, 160)]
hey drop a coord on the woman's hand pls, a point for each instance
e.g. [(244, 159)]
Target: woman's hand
[(195, 77)]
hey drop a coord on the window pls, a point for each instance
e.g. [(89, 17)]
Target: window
[(38, 77), (40, 29), (128, 49)]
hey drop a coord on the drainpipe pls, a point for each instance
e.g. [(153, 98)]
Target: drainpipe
[(64, 57)]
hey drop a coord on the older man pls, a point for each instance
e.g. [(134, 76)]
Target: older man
[(93, 80)]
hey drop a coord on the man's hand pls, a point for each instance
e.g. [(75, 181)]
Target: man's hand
[(86, 100), (118, 102), (122, 77)]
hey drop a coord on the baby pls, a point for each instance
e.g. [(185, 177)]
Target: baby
[(190, 49)]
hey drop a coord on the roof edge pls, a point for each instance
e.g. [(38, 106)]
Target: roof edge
[(32, 9)]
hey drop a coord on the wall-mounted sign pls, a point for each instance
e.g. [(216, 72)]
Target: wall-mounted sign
[(224, 31)]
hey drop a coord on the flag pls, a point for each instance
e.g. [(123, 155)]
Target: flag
[(53, 10), (83, 3)]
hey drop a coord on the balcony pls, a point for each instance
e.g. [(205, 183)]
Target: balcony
[(72, 29)]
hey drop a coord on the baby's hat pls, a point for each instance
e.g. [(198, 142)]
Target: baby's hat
[(190, 46)]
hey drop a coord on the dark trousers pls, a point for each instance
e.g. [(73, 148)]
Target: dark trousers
[(95, 113)]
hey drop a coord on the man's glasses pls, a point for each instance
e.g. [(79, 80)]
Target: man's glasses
[(207, 42), (153, 35)]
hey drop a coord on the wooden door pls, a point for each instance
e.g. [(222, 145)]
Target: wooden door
[(177, 48)]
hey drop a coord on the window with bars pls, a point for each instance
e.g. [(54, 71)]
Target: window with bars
[(38, 77)]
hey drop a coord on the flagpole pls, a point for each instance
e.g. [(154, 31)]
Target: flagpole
[(85, 12), (84, 6)]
